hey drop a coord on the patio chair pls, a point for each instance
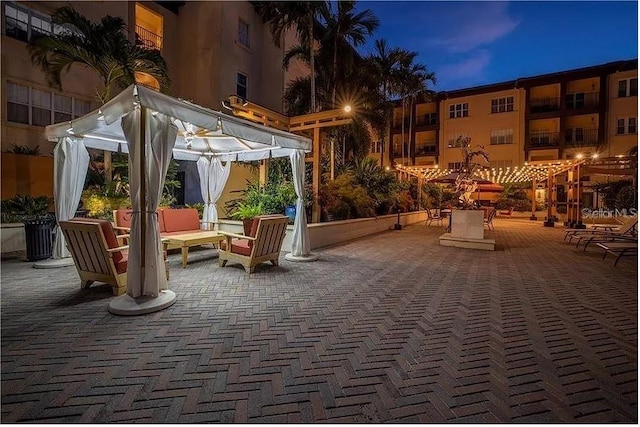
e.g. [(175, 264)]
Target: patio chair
[(619, 249), (251, 251), (488, 219), (600, 228), (626, 232), (98, 253), (433, 217), (507, 213)]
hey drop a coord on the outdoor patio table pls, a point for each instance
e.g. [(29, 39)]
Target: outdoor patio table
[(185, 241)]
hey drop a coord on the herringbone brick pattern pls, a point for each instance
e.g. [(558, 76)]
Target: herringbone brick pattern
[(389, 328)]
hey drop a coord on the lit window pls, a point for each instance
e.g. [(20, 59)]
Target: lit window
[(243, 33), (241, 85), (502, 136), (627, 87), (458, 110), (502, 105)]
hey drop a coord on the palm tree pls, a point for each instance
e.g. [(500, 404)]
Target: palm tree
[(413, 85), (348, 29), (383, 73), (284, 15), (102, 47)]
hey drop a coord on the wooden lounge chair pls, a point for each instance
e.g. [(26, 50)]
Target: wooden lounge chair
[(98, 253), (433, 217), (251, 251), (619, 248)]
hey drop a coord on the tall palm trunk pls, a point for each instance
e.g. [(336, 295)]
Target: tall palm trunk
[(335, 68), (312, 64), (411, 104), (403, 104)]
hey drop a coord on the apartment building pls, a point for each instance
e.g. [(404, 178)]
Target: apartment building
[(554, 116), (213, 50)]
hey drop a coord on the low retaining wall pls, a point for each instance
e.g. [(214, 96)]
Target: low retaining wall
[(12, 238), (334, 232)]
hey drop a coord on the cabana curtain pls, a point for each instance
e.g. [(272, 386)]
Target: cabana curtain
[(213, 177), (160, 133), (300, 245), (70, 162)]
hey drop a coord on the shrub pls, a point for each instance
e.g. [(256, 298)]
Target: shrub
[(101, 206), (21, 207), (344, 199)]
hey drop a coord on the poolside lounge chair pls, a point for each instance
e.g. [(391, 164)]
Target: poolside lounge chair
[(628, 223), (251, 251), (619, 248), (626, 232), (433, 217), (507, 213)]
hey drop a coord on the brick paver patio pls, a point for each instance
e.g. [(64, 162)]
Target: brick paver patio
[(391, 327)]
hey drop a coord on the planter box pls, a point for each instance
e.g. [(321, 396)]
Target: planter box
[(12, 238), (467, 224)]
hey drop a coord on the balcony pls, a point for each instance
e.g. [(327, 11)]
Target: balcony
[(147, 39), (428, 149), (582, 101), (427, 119), (579, 137), (544, 139), (544, 105)]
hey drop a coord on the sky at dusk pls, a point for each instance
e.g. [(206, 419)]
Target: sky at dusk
[(472, 43)]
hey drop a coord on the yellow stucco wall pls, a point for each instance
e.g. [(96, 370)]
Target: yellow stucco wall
[(620, 108)]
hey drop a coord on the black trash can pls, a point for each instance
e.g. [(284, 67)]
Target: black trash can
[(39, 237)]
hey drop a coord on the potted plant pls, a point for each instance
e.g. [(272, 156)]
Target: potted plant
[(38, 223), (246, 213)]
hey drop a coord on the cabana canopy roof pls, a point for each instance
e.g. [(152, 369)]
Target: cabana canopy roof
[(201, 131)]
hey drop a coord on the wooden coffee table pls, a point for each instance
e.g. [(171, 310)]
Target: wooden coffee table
[(185, 241)]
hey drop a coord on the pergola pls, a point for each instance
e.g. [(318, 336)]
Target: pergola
[(539, 172), (153, 128)]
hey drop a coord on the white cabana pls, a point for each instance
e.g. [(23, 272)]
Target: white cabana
[(213, 177), (154, 127)]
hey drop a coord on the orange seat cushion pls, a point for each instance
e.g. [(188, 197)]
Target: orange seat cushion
[(238, 246), (179, 220), (123, 217)]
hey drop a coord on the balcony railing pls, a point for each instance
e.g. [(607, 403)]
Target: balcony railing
[(427, 119), (147, 39), (426, 149), (544, 105), (581, 137), (579, 101), (544, 139)]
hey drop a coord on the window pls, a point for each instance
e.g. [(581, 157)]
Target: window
[(455, 166), (243, 33), (376, 146), (574, 135), (23, 23), (17, 103), (241, 85), (502, 105), (456, 140), (41, 108), (627, 87), (574, 100), (627, 125), (502, 136), (458, 110), (16, 21), (80, 108)]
